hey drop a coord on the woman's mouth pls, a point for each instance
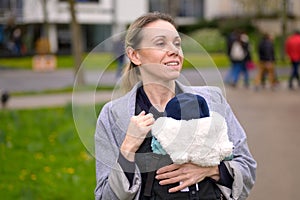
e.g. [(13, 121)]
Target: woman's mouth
[(173, 64)]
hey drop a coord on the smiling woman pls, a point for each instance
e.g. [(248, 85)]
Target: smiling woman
[(123, 129), (159, 56)]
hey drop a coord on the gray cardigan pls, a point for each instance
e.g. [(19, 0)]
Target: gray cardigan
[(111, 127)]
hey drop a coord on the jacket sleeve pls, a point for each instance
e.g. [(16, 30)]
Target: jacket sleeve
[(112, 183), (243, 166)]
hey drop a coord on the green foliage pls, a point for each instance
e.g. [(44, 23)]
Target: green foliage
[(205, 60), (229, 24), (224, 25), (42, 156), (187, 29), (210, 39)]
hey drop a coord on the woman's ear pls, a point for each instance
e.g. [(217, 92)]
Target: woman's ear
[(133, 56)]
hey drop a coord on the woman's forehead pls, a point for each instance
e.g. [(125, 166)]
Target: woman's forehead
[(160, 28)]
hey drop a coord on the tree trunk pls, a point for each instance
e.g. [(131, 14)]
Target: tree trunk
[(46, 24), (283, 28), (173, 7), (77, 50)]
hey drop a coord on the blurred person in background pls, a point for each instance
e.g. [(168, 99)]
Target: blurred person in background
[(239, 54), (292, 48), (266, 65), (229, 41)]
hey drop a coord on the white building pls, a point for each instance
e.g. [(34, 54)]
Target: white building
[(100, 19)]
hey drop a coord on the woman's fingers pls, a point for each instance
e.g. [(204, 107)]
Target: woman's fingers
[(148, 119), (141, 113), (187, 174), (140, 124), (168, 168), (144, 120), (169, 172), (173, 178)]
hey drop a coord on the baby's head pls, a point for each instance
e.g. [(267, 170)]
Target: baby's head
[(186, 106)]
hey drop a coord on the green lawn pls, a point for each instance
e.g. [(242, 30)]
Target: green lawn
[(92, 61), (42, 157), (106, 61)]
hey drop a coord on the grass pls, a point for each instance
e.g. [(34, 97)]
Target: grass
[(42, 156), (91, 61), (105, 61)]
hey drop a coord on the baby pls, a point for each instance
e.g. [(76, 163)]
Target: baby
[(190, 133)]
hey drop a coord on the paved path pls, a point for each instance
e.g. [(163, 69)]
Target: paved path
[(28, 80), (55, 100), (270, 118), (31, 81)]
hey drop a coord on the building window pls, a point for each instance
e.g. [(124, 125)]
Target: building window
[(84, 1), (11, 8), (183, 8), (191, 8)]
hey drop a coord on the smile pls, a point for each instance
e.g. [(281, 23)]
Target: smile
[(173, 63)]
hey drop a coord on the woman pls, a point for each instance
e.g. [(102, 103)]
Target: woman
[(125, 167)]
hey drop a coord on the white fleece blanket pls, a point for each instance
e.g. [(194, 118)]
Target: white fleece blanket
[(202, 141)]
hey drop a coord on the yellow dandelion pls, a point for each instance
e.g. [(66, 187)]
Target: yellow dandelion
[(33, 177), (85, 156), (69, 170), (47, 169), (38, 156)]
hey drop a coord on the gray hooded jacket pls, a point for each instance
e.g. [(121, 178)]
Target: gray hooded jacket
[(111, 127)]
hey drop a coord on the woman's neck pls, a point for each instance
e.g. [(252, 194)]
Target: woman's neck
[(159, 95)]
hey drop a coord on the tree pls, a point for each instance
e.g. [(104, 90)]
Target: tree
[(264, 8), (283, 28), (260, 7), (46, 23), (77, 49), (173, 6)]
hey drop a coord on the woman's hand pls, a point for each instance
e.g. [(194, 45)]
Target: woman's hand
[(188, 174), (137, 130)]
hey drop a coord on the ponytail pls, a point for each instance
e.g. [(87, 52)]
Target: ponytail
[(131, 76)]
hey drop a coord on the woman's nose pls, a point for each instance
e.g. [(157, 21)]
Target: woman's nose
[(172, 49)]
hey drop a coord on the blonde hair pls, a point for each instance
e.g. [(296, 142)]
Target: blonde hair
[(131, 73)]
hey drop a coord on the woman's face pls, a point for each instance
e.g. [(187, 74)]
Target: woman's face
[(160, 54)]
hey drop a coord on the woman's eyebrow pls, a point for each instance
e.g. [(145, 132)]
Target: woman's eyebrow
[(158, 36), (163, 36)]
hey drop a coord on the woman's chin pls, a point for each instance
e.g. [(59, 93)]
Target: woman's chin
[(174, 74)]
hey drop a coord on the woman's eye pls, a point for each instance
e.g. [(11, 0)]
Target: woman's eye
[(160, 44), (177, 44)]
